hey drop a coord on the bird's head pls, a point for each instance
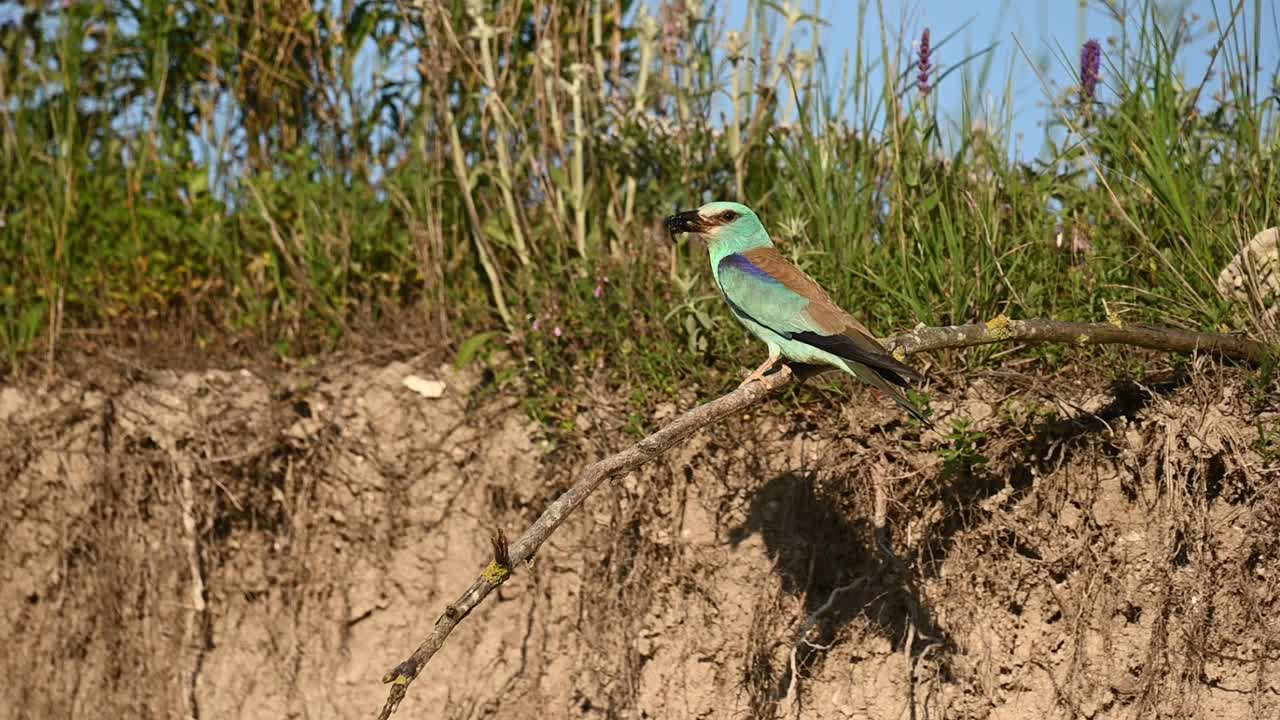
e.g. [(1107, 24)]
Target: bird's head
[(718, 221)]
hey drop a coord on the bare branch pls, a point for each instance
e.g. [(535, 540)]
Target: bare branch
[(922, 339), (1002, 329)]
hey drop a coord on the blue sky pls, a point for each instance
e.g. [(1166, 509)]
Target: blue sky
[(1046, 30)]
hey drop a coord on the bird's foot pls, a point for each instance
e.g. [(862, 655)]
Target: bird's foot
[(778, 379), (770, 382), (758, 373)]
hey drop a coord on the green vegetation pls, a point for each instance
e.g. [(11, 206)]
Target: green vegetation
[(964, 451), (508, 169)]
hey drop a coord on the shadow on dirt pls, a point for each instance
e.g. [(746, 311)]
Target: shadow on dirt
[(843, 567), (833, 563)]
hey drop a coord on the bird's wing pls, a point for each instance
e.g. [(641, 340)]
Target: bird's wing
[(763, 286)]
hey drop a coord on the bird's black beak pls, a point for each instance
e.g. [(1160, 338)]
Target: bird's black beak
[(688, 221)]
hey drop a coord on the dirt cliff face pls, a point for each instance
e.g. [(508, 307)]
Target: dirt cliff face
[(224, 544)]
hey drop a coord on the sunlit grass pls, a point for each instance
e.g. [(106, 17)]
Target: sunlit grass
[(498, 169)]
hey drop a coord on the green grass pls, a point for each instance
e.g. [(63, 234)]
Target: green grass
[(333, 204)]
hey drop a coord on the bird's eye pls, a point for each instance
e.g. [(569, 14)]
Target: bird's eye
[(728, 216)]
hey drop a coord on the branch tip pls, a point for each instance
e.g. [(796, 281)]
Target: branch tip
[(402, 674), (498, 570), (501, 551)]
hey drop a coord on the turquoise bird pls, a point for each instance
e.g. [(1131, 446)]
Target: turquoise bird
[(784, 307)]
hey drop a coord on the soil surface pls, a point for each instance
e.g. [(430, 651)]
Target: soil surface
[(239, 544)]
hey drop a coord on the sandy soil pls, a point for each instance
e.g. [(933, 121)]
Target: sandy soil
[(227, 544)]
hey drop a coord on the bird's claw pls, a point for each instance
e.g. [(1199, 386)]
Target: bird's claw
[(770, 382), (778, 379), (758, 374)]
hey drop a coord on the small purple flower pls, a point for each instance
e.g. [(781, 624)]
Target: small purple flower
[(556, 331), (1090, 62), (537, 322), (675, 27), (599, 291), (924, 64)]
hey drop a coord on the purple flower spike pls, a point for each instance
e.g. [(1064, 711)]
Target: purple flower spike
[(1090, 62), (675, 26), (924, 64)]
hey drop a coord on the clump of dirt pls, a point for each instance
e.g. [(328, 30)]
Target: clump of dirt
[(239, 544)]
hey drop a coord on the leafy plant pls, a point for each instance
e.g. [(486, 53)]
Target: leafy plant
[(964, 450)]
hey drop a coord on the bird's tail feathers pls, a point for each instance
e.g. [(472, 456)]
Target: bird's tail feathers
[(873, 378)]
